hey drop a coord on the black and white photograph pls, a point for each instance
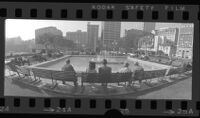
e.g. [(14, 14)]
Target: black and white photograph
[(111, 59)]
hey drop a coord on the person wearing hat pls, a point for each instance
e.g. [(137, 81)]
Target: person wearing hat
[(105, 72), (125, 69)]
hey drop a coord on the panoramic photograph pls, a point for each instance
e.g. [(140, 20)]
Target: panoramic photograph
[(109, 59)]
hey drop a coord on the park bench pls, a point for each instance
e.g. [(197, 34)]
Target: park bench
[(20, 70), (153, 74), (177, 71), (148, 75), (173, 71), (12, 67), (42, 73), (97, 78), (23, 71), (64, 76), (54, 75), (122, 77)]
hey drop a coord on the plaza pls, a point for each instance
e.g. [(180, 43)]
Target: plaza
[(153, 90), (145, 60)]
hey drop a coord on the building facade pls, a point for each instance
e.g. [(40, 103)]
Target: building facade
[(147, 43), (78, 37), (15, 40), (138, 25), (165, 40), (149, 26), (92, 34), (168, 34), (167, 25), (110, 34), (185, 41)]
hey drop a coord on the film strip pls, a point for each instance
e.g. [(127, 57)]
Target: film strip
[(13, 101)]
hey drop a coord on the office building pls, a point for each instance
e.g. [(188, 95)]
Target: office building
[(92, 31), (110, 34)]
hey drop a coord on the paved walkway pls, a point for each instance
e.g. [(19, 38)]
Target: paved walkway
[(179, 90)]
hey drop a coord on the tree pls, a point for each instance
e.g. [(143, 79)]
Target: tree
[(132, 38), (22, 46), (160, 53), (45, 39), (56, 41)]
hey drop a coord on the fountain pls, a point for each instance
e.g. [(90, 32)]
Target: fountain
[(105, 55)]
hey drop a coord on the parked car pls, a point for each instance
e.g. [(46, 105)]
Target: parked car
[(132, 55)]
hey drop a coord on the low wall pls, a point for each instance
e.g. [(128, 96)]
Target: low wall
[(97, 56), (51, 62)]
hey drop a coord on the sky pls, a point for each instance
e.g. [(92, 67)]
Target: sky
[(26, 28)]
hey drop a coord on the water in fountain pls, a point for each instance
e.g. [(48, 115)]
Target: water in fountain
[(105, 55)]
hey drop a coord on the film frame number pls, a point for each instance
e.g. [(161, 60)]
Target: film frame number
[(185, 111), (4, 108), (59, 110)]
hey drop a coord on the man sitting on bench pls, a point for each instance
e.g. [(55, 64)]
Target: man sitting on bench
[(105, 73), (68, 68), (138, 72)]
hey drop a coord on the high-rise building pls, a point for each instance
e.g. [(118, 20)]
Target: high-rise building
[(185, 41), (138, 25), (111, 34), (92, 31), (78, 37), (45, 30), (145, 26), (149, 26)]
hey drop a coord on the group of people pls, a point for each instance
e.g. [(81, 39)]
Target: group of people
[(20, 61), (105, 69)]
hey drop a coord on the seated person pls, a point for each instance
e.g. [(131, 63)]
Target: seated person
[(189, 66), (16, 61), (92, 67), (68, 68), (125, 69), (105, 72), (91, 72), (20, 60), (28, 61), (138, 72)]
